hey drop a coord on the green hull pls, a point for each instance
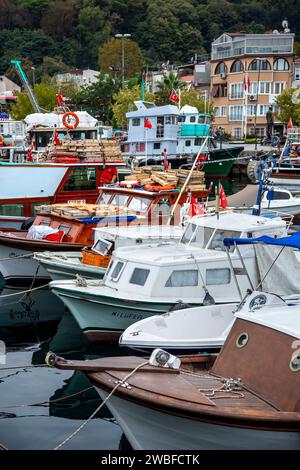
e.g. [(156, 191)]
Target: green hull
[(222, 168)]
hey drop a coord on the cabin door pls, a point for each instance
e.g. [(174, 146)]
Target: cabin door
[(160, 129)]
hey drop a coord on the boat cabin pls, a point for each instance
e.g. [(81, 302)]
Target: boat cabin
[(198, 263), (172, 131)]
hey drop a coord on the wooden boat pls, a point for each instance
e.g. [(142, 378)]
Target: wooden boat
[(55, 179), (246, 398), (92, 263), (152, 280)]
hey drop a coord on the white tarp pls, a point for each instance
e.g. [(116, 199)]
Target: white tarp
[(284, 276), (38, 232)]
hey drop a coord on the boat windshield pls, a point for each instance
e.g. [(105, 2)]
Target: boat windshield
[(207, 237), (104, 198), (139, 204), (119, 200)]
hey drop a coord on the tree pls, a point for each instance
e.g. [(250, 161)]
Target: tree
[(124, 102), (45, 95), (287, 109), (196, 98), (169, 83), (97, 98), (110, 57)]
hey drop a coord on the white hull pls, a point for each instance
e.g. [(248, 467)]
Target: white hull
[(59, 268), (147, 429)]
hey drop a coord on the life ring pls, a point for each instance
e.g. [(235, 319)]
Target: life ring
[(119, 136), (70, 120)]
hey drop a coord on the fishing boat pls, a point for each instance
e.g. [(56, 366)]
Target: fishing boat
[(206, 328), (175, 134), (152, 280), (67, 265), (247, 397)]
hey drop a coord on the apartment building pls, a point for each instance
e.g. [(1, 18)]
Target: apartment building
[(248, 72)]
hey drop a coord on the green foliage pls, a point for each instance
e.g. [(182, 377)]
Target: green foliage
[(110, 57), (287, 108), (45, 95), (124, 102), (169, 83), (97, 99), (195, 98)]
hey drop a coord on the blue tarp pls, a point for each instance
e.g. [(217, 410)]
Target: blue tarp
[(96, 220), (292, 241)]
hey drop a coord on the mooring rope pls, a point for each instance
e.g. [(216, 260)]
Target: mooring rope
[(10, 258), (121, 382), (24, 291)]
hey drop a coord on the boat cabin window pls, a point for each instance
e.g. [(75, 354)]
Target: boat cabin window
[(12, 209), (170, 120), (139, 204), (104, 198), (201, 119), (80, 179), (156, 145), (193, 119), (45, 223), (119, 200), (196, 235), (279, 195), (117, 270), (187, 143), (198, 141), (136, 122), (103, 247), (181, 119), (139, 276), (163, 205), (183, 278), (216, 277), (65, 228), (216, 242)]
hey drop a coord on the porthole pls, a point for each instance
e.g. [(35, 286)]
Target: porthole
[(242, 340), (295, 363)]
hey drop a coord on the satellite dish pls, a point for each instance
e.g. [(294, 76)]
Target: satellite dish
[(295, 96)]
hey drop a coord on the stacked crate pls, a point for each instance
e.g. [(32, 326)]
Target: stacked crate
[(88, 150)]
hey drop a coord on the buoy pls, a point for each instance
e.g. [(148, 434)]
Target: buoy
[(70, 120)]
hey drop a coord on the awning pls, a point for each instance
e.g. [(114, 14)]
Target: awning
[(292, 241)]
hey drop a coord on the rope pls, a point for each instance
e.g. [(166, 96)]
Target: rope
[(10, 258), (121, 382), (49, 401), (24, 291)]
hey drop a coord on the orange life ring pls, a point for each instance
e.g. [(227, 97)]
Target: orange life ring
[(68, 118), (119, 136)]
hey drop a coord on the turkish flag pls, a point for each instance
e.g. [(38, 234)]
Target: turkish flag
[(147, 124), (223, 199), (194, 208), (174, 97), (56, 138), (290, 124), (60, 99)]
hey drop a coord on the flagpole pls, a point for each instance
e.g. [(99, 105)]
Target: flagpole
[(146, 150), (179, 95)]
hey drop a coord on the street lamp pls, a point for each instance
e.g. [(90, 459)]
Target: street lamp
[(122, 36)]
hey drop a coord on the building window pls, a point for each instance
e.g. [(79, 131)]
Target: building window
[(140, 147), (237, 66), (219, 90), (221, 68), (236, 91), (221, 111), (237, 132), (297, 73), (187, 143), (259, 65), (235, 113), (281, 65), (259, 131), (253, 88), (156, 145), (279, 87), (263, 109), (251, 109), (265, 88), (136, 122)]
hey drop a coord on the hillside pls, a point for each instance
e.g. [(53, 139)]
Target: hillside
[(71, 31)]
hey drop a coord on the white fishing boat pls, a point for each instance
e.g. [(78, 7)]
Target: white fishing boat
[(151, 280), (206, 328), (67, 265)]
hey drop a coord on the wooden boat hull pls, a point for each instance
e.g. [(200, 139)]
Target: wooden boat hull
[(149, 429)]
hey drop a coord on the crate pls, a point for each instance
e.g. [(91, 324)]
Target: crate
[(92, 258)]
